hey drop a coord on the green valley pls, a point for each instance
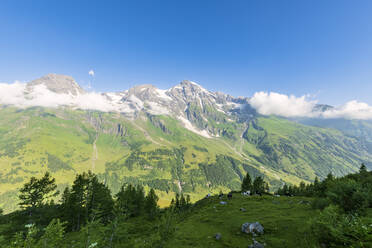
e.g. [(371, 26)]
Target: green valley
[(157, 151)]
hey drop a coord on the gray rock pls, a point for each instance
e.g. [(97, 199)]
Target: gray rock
[(243, 209), (256, 245), (253, 228), (218, 236)]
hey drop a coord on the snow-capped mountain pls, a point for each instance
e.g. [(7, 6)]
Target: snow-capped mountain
[(188, 102)]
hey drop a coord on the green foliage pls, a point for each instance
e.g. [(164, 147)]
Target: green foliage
[(56, 164), (37, 191), (25, 240), (259, 185), (130, 200), (349, 195), (180, 203), (151, 204), (87, 200), (352, 193), (334, 229), (53, 235), (167, 226), (247, 183), (320, 203)]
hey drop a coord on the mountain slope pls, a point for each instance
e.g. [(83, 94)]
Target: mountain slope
[(185, 139)]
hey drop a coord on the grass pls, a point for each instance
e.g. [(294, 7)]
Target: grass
[(285, 220)]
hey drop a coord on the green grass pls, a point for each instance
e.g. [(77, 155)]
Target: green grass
[(285, 219)]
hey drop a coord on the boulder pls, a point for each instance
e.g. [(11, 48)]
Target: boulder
[(256, 245), (253, 228), (218, 236)]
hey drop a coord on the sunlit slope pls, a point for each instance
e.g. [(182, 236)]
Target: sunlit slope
[(158, 152)]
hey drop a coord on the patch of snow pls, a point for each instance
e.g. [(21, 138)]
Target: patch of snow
[(162, 94), (136, 101), (157, 109), (200, 102), (190, 127), (236, 105)]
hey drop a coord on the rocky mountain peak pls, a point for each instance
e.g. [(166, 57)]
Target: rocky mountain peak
[(57, 83)]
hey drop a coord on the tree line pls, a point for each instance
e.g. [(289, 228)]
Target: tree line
[(88, 208)]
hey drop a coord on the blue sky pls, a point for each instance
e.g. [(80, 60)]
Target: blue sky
[(322, 48)]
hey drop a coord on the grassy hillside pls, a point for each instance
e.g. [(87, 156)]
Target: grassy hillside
[(286, 222), (158, 152)]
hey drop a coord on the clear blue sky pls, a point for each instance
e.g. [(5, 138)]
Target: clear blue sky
[(239, 47)]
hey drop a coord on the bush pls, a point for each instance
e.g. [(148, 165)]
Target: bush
[(334, 229), (320, 203), (349, 195)]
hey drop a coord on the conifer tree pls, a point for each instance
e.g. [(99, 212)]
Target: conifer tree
[(53, 235), (259, 185), (36, 192), (151, 204), (87, 200), (247, 183)]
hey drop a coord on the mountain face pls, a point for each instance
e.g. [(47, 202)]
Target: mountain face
[(60, 84), (184, 139)]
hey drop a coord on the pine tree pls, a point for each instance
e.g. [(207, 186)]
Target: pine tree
[(36, 192), (247, 183), (363, 169), (259, 185), (130, 200), (53, 235), (151, 204), (87, 200)]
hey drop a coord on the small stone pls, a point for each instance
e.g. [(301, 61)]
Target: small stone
[(243, 209), (256, 244), (218, 236), (253, 227)]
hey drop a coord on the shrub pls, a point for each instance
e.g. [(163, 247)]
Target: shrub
[(334, 229), (349, 195), (320, 203)]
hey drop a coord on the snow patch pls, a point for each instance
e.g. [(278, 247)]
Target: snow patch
[(162, 94), (190, 127), (157, 109)]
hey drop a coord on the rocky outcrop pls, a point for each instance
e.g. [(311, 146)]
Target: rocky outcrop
[(56, 83)]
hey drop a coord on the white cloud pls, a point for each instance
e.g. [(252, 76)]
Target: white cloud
[(350, 110), (91, 73), (279, 104), (291, 106), (18, 95)]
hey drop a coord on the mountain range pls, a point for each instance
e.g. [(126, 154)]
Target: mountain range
[(184, 139)]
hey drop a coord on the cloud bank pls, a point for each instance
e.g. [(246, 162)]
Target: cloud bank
[(291, 106), (19, 95)]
